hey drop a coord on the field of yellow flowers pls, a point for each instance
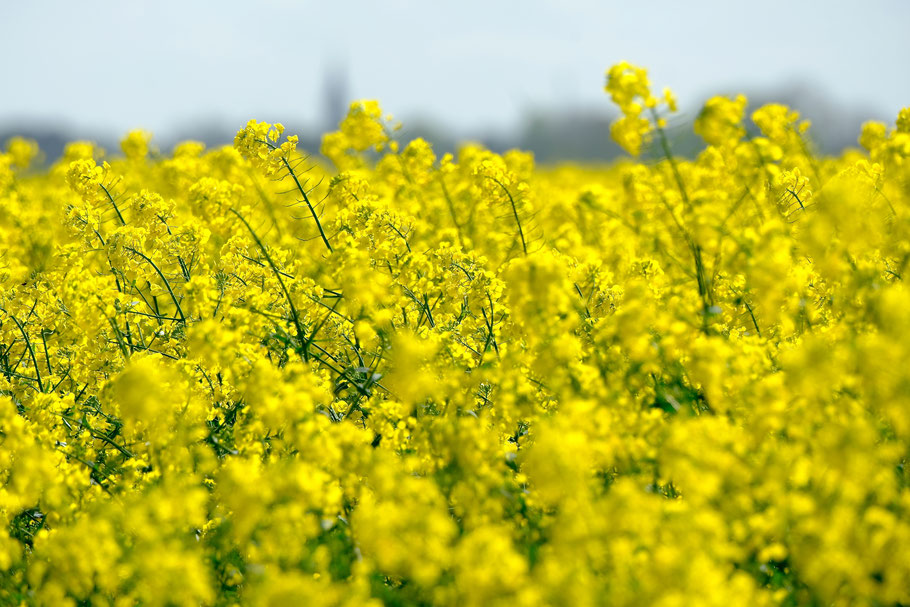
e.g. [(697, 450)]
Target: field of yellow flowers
[(243, 377)]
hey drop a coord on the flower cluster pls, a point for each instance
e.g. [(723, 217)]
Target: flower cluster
[(236, 377), (258, 143), (629, 88)]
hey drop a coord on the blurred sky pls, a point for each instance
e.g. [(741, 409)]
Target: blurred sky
[(104, 67)]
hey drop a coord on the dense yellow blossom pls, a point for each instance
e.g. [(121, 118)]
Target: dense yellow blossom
[(239, 377), (720, 121)]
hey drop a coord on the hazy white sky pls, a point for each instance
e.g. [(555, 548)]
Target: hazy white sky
[(107, 66)]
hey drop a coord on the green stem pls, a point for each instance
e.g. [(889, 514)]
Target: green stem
[(163, 279), (306, 199), (704, 290), (113, 204), (31, 352), (521, 233), (294, 316)]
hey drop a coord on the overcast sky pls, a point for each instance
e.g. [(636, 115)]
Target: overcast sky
[(107, 66)]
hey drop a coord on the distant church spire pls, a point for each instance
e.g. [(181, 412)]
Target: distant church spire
[(334, 95)]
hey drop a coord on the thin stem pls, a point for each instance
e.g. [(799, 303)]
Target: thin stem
[(31, 352), (306, 199), (113, 204), (521, 233), (704, 289), (294, 315), (164, 279)]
